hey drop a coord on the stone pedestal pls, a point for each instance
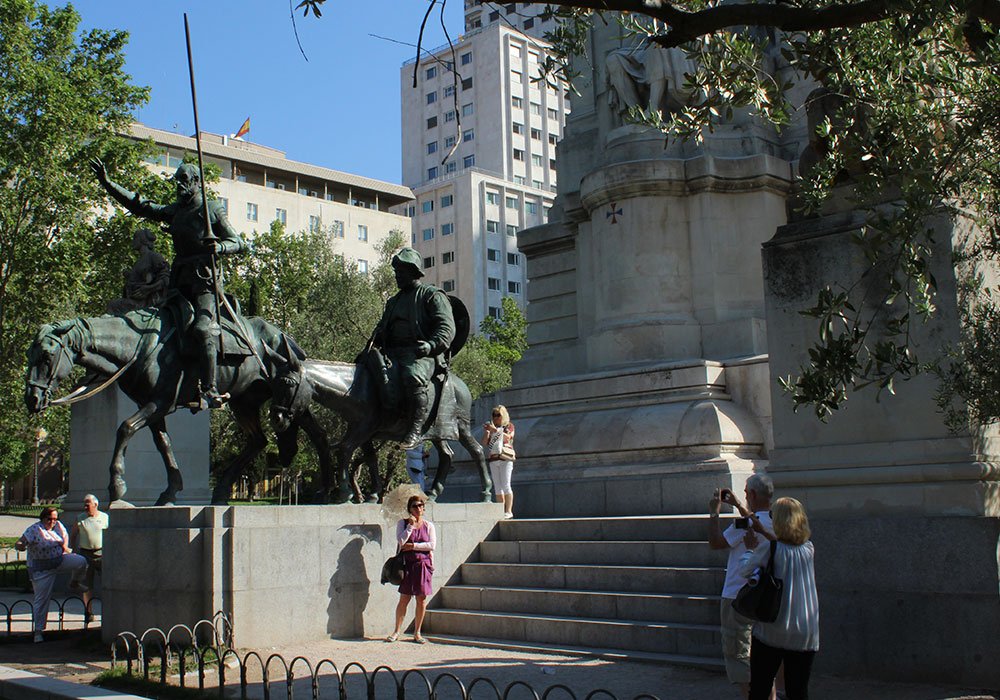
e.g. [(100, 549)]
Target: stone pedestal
[(283, 574), (93, 426)]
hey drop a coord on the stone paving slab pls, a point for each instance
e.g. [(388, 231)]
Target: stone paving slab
[(15, 525)]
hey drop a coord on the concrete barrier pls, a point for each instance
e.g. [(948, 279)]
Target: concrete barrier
[(16, 684)]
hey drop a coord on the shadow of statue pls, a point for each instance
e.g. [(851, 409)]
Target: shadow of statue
[(349, 584)]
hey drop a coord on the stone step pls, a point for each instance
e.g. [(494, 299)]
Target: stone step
[(619, 553), (640, 528), (677, 607), (588, 577), (688, 639), (709, 663)]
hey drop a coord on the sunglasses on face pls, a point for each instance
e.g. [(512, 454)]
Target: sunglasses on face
[(54, 517), (417, 505)]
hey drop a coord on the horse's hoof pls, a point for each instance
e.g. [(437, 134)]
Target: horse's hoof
[(164, 500), (120, 504), (341, 497), (485, 498), (116, 490), (372, 498)]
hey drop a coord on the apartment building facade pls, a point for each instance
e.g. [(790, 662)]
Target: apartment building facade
[(259, 185), (479, 152)]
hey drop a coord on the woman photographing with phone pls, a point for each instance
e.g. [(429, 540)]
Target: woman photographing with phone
[(498, 440)]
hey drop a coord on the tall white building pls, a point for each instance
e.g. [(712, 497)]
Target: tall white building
[(259, 185), (479, 149)]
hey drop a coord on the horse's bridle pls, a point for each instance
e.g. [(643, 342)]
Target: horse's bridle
[(53, 367)]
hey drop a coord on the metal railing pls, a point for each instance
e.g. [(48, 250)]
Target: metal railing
[(24, 606), (13, 569), (179, 650)]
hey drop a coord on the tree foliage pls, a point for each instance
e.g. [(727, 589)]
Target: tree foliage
[(486, 360), (64, 97)]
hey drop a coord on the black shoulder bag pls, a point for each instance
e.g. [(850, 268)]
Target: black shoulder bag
[(760, 597)]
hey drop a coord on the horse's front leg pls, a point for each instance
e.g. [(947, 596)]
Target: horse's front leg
[(475, 450), (175, 482), (129, 427), (248, 418), (307, 421), (370, 457), (444, 468)]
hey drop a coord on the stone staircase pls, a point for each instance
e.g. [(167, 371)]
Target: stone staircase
[(631, 587)]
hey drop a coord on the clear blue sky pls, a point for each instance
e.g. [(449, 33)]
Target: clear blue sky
[(339, 110)]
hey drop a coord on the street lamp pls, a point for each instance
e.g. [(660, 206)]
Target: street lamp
[(40, 435)]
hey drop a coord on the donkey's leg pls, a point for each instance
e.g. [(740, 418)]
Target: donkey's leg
[(475, 451), (444, 468), (175, 482), (129, 427), (307, 421), (370, 457), (248, 418)]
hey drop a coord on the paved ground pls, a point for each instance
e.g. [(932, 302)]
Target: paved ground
[(77, 655), (15, 525)]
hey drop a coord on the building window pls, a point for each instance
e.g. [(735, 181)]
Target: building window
[(536, 160), (449, 141), (514, 287), (428, 234), (519, 179), (511, 230), (362, 266), (466, 58), (447, 200), (493, 284), (516, 102), (448, 285), (432, 147), (448, 257), (362, 232), (517, 128), (518, 154), (429, 262), (240, 178), (516, 76), (552, 113), (431, 73), (467, 84), (512, 202), (537, 184), (467, 110), (337, 230), (314, 224), (529, 23), (432, 97), (536, 108), (449, 90), (427, 206), (494, 312), (447, 229), (536, 134), (493, 255), (450, 166), (468, 134), (449, 116), (492, 226), (469, 161), (281, 216), (432, 122), (513, 258), (552, 163), (225, 205), (552, 139), (432, 173), (531, 207), (492, 198), (251, 211)]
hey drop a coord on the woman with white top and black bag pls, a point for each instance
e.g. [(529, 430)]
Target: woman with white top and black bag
[(498, 439), (793, 637)]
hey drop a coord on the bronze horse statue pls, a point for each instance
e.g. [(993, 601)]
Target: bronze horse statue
[(142, 352), (349, 390)]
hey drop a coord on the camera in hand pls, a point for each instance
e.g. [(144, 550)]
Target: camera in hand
[(741, 523)]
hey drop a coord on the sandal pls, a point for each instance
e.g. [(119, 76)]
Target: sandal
[(392, 637), (419, 640)]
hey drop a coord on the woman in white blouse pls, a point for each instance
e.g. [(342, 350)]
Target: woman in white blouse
[(793, 638)]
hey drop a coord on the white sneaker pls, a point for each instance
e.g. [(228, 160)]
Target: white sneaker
[(508, 516), (38, 638)]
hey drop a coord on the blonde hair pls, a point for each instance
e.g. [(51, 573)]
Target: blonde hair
[(790, 522), (504, 416)]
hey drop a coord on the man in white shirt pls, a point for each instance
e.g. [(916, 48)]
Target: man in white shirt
[(416, 464), (737, 539)]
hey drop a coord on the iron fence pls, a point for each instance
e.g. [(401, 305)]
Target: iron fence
[(180, 649), (25, 606), (13, 569)]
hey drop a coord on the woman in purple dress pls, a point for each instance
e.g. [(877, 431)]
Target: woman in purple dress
[(415, 537)]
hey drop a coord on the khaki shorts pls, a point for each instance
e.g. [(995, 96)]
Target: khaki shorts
[(736, 631), (93, 557)]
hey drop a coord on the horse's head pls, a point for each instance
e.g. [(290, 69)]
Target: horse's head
[(50, 359), (291, 395)]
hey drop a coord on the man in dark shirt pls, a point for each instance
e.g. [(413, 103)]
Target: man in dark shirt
[(193, 271), (416, 333)]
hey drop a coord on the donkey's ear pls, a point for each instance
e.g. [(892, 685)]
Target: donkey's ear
[(293, 353), (61, 327)]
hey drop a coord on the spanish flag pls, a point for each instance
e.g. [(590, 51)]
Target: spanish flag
[(244, 130)]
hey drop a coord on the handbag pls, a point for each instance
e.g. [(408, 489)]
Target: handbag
[(506, 453), (394, 570), (760, 597)]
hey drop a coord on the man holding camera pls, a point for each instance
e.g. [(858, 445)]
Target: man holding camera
[(738, 538)]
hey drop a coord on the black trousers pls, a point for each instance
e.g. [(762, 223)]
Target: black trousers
[(764, 663)]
